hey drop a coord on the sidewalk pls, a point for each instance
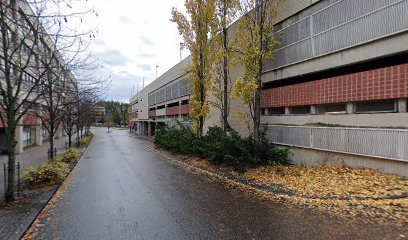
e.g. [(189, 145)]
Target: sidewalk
[(33, 156)]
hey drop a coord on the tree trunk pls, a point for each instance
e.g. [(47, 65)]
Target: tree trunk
[(201, 77), (257, 105), (11, 145), (225, 71), (52, 143), (77, 133), (70, 140)]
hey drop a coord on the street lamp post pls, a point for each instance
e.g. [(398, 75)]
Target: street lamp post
[(157, 66), (181, 48)]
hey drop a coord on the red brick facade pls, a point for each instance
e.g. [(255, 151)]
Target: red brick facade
[(377, 84), (29, 119), (185, 109), (152, 113), (172, 110)]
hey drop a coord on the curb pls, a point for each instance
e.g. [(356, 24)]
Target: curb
[(277, 189), (53, 194)]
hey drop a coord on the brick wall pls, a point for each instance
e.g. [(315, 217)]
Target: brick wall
[(29, 119), (152, 113), (377, 84), (185, 109), (172, 110)]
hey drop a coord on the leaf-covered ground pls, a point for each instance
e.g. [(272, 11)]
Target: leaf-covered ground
[(353, 193), (350, 191)]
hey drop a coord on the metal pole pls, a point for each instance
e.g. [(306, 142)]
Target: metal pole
[(156, 70), (181, 48), (18, 179)]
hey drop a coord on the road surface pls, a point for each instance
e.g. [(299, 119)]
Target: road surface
[(120, 190)]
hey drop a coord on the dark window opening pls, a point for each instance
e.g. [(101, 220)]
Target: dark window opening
[(274, 111), (173, 104), (376, 106), (303, 110), (331, 109)]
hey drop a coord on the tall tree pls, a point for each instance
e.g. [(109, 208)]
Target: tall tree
[(226, 13), (64, 52), (20, 75), (197, 29), (256, 43), (27, 45)]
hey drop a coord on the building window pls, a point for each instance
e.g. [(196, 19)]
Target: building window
[(274, 111), (331, 109), (376, 106), (303, 110)]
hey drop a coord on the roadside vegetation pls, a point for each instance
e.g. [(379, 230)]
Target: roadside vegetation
[(354, 193), (220, 147), (86, 140), (52, 171)]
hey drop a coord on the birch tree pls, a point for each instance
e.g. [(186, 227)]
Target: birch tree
[(256, 43), (226, 13), (197, 28)]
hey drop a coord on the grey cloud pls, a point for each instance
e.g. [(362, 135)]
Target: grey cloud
[(146, 41), (113, 58), (123, 82)]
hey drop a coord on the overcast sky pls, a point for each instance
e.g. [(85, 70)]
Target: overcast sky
[(133, 37)]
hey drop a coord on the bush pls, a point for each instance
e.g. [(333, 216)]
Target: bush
[(50, 172), (180, 140), (220, 147), (69, 155), (84, 141)]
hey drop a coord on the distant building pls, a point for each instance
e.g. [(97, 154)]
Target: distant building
[(336, 90), (100, 113)]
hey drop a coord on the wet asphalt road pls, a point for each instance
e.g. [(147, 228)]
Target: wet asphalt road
[(120, 190)]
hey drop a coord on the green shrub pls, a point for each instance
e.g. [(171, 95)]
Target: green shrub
[(50, 172), (226, 148), (84, 141), (220, 147), (180, 140), (69, 155)]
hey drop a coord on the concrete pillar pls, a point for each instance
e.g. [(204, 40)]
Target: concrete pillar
[(313, 110), (19, 138), (287, 112), (402, 105), (149, 129), (350, 108), (179, 112), (38, 135)]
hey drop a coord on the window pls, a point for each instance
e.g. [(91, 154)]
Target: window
[(331, 109), (376, 106), (275, 111), (303, 110)]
